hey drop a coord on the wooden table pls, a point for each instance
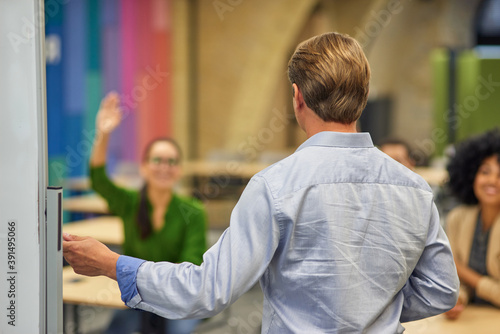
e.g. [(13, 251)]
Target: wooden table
[(96, 291), (474, 319), (109, 230), (81, 290), (100, 290), (86, 204), (433, 176), (106, 229), (82, 183), (203, 168), (218, 211)]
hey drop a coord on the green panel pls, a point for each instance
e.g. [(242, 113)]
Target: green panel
[(488, 95), (53, 10), (479, 94), (466, 107), (440, 77), (93, 36), (57, 175), (57, 171)]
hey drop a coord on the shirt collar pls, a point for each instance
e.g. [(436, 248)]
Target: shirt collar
[(339, 139)]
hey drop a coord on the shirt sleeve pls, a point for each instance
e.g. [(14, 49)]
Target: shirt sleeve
[(126, 272), (433, 286), (230, 267)]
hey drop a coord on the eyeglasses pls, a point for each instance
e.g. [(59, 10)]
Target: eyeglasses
[(157, 161)]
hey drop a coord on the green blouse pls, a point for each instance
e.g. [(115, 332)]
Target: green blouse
[(182, 237)]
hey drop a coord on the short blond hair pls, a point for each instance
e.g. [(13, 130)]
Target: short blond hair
[(333, 75)]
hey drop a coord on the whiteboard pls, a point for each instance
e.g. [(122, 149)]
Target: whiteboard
[(23, 160)]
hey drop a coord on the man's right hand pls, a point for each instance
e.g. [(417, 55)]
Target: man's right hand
[(89, 257)]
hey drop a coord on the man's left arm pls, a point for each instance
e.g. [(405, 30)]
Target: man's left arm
[(433, 286)]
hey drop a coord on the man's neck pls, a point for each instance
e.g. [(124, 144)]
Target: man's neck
[(317, 127), (312, 124)]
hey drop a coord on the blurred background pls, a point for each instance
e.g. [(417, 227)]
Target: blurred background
[(212, 74)]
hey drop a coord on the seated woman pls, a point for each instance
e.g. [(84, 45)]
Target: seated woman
[(474, 227), (158, 224)]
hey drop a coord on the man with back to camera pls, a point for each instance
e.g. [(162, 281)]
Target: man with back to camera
[(342, 238)]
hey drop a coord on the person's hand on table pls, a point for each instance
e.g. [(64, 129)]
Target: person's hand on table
[(455, 312), (89, 257)]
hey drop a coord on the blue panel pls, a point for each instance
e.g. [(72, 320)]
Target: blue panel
[(110, 12), (111, 59), (110, 50), (54, 76), (77, 147), (111, 65), (74, 53)]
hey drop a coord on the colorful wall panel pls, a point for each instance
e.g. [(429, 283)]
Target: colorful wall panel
[(477, 96), (99, 46)]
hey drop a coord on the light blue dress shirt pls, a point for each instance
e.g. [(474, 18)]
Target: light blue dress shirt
[(342, 238)]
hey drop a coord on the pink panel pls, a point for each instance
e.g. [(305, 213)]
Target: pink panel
[(129, 59), (146, 73)]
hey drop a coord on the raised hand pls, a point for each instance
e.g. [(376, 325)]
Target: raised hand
[(109, 115)]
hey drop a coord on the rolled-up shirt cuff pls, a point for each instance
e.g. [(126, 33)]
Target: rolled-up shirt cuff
[(126, 275)]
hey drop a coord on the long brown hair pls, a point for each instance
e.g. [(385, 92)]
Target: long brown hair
[(143, 219)]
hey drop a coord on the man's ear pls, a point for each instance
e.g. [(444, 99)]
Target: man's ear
[(298, 99)]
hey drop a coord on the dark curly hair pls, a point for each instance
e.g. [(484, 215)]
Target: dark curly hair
[(463, 166)]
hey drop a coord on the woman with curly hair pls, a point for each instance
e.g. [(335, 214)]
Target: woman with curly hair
[(474, 227)]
